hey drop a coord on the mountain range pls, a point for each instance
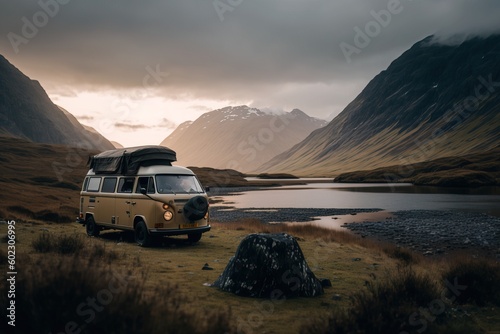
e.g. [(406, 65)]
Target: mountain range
[(27, 112), (240, 137), (433, 101)]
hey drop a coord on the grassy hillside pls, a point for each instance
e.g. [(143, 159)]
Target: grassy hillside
[(433, 101), (465, 171), (26, 111), (41, 182)]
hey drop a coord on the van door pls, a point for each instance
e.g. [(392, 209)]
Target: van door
[(123, 202), (144, 206), (106, 211)]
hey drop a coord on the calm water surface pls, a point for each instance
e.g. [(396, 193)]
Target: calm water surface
[(389, 197)]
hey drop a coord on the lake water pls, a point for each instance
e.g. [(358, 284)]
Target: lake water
[(388, 197)]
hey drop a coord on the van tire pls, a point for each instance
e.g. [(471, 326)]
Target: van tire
[(91, 227), (196, 208), (194, 237), (142, 236)]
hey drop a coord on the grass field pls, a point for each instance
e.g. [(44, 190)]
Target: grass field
[(352, 264), (165, 290)]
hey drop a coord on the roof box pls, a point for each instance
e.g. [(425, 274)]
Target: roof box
[(128, 160)]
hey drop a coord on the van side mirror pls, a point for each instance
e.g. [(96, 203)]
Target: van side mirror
[(143, 191), (207, 189)]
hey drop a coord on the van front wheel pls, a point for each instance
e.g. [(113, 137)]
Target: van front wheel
[(142, 237), (91, 227), (194, 237)]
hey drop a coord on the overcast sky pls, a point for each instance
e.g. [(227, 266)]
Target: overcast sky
[(136, 69)]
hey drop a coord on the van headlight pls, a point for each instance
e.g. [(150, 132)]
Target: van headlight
[(168, 215)]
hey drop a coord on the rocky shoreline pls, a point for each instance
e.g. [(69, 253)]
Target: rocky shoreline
[(436, 232), (428, 232), (277, 215)]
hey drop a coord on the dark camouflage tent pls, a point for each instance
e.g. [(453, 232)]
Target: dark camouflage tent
[(269, 266), (128, 160)]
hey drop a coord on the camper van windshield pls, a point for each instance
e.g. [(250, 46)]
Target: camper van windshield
[(174, 184)]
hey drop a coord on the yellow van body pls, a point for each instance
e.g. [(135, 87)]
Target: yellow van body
[(158, 200)]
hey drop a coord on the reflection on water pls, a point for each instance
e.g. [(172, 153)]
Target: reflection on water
[(390, 197), (337, 222), (409, 188)]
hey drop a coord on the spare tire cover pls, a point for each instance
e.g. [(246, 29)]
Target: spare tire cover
[(196, 208)]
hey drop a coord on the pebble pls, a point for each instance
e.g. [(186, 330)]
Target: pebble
[(326, 283), (336, 297), (268, 215), (435, 232), (429, 232), (206, 267)]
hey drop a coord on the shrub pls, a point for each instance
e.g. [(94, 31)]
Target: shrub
[(480, 278), (66, 185), (43, 244), (43, 179), (47, 215), (78, 295), (65, 244), (395, 305), (69, 244), (404, 255), (21, 210), (99, 251)]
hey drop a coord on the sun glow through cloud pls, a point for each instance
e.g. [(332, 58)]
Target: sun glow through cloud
[(133, 121)]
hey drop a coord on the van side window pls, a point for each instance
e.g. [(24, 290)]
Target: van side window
[(109, 185), (85, 184), (126, 184), (94, 183), (147, 183)]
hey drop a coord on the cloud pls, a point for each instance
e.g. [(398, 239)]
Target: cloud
[(85, 117), (282, 53), (167, 124), (130, 127), (477, 19), (200, 108)]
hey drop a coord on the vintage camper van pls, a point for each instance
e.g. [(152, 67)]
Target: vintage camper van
[(138, 189)]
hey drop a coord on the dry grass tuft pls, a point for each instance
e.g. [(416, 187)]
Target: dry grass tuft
[(73, 244), (65, 244), (396, 304), (84, 296), (479, 279), (309, 231)]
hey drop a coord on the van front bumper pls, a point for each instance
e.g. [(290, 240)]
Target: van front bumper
[(161, 231)]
